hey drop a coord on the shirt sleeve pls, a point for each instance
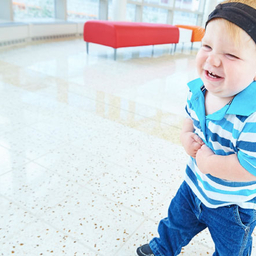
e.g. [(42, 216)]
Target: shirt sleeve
[(246, 145)]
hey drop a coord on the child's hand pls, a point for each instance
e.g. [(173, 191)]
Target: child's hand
[(191, 143), (202, 156)]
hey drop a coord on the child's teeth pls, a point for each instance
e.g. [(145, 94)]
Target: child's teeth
[(212, 74)]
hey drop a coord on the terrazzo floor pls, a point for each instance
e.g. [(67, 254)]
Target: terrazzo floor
[(89, 147)]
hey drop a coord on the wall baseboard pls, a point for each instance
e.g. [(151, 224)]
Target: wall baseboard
[(18, 34)]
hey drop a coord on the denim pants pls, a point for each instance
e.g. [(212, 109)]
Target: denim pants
[(231, 227)]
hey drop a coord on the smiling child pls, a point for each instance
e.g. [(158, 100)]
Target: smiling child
[(219, 135)]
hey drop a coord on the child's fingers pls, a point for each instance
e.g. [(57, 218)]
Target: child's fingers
[(197, 146), (198, 139)]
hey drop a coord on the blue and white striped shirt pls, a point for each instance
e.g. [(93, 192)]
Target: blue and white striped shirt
[(230, 130)]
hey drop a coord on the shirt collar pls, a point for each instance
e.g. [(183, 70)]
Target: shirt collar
[(195, 85), (244, 103)]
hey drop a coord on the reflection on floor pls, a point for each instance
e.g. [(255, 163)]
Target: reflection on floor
[(89, 147)]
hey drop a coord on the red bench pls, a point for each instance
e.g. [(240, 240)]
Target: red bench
[(128, 34)]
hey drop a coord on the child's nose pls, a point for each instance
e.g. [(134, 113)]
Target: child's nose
[(214, 60)]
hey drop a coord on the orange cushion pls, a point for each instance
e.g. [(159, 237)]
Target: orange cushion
[(197, 34)]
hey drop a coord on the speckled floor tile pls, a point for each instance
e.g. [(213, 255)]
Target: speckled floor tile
[(143, 234), (95, 221), (65, 130), (130, 154), (12, 219), (10, 160), (133, 191), (39, 238), (28, 142), (14, 119), (76, 164), (32, 187)]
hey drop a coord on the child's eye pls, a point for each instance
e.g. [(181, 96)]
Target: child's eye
[(232, 56), (206, 47)]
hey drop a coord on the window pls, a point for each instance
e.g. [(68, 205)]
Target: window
[(184, 18), (189, 12), (158, 2), (110, 10), (153, 11), (33, 10), (131, 12), (154, 15), (82, 10), (192, 5)]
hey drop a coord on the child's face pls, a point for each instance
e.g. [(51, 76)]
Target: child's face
[(226, 67)]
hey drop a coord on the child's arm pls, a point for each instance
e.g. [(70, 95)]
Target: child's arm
[(223, 167), (190, 141)]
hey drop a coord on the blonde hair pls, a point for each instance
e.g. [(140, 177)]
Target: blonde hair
[(232, 28), (251, 3)]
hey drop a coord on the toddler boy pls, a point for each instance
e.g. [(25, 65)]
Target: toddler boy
[(219, 134)]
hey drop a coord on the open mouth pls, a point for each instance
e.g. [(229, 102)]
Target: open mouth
[(212, 75)]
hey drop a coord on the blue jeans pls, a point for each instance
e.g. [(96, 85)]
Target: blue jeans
[(231, 227)]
